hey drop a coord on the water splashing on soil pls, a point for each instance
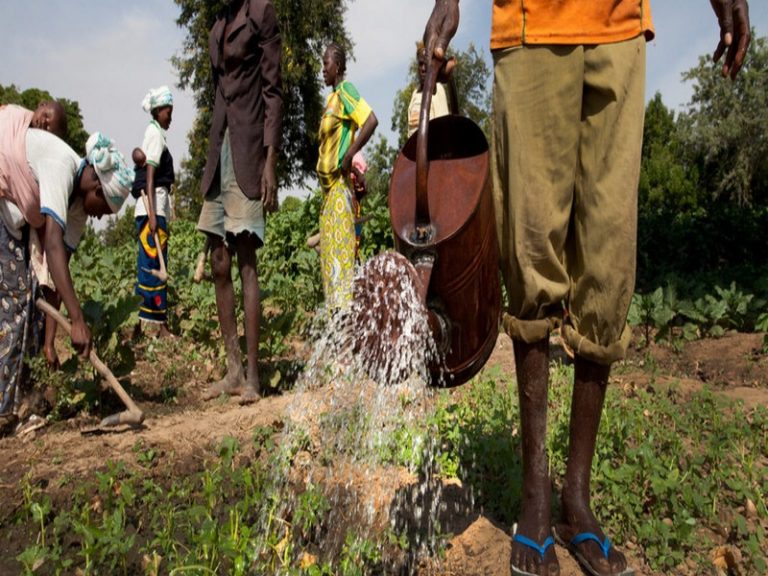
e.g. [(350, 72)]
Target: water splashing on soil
[(357, 428)]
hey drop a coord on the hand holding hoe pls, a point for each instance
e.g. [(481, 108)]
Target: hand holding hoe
[(133, 416), (200, 264), (162, 274)]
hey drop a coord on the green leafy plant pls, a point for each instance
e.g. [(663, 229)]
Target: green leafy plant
[(665, 468), (311, 508), (359, 556), (652, 312)]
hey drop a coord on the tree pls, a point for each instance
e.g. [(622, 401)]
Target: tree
[(702, 191), (31, 97), (306, 28), (377, 231), (120, 230), (380, 157), (668, 180), (472, 78), (726, 125)]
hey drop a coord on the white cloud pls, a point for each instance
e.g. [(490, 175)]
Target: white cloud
[(107, 64), (384, 34)]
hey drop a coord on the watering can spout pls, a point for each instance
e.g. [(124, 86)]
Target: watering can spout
[(424, 263)]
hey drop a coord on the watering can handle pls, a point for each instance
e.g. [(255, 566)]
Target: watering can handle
[(423, 230)]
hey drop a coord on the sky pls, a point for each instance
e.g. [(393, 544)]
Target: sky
[(106, 54)]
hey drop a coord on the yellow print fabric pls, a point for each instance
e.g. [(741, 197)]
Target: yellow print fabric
[(345, 112)]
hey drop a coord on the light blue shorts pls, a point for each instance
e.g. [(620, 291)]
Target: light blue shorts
[(227, 211)]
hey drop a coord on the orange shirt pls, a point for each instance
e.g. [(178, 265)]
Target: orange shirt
[(518, 22)]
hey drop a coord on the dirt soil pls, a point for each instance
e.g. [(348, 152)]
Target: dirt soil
[(184, 432)]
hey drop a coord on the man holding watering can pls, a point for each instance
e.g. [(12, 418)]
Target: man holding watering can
[(568, 106)]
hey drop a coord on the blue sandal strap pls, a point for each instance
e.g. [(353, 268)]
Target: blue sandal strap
[(605, 545), (533, 545)]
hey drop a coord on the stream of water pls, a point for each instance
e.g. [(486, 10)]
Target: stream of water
[(357, 426)]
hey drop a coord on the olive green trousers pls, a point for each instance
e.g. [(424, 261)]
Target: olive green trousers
[(565, 164)]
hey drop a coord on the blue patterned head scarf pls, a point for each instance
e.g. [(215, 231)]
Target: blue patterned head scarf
[(114, 174), (157, 98)]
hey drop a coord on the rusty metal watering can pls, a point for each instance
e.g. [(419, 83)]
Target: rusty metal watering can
[(442, 216)]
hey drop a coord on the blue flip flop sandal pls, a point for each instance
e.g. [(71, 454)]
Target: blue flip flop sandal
[(605, 546), (534, 546)]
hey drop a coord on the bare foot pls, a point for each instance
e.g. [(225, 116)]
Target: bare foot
[(7, 424), (164, 332), (533, 550), (232, 385), (252, 390), (592, 548), (249, 396)]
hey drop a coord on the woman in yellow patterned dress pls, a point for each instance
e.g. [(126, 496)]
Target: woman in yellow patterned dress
[(347, 124)]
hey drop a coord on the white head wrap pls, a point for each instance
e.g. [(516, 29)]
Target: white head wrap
[(114, 174), (156, 98)]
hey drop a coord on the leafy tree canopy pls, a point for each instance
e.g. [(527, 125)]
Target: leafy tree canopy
[(306, 28), (726, 126), (472, 78), (668, 180), (703, 193)]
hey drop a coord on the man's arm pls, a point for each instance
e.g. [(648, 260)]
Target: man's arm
[(272, 94), (735, 35), (269, 181), (56, 255), (272, 83)]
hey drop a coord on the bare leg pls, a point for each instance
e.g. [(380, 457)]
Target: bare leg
[(164, 331), (221, 262), (532, 366), (591, 381), (246, 259), (49, 348)]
